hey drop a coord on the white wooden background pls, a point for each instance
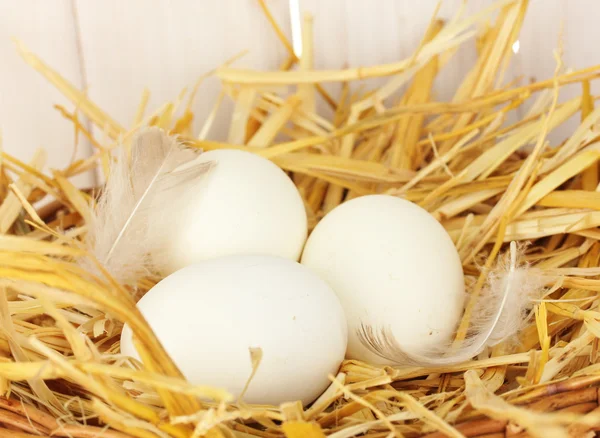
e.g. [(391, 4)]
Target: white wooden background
[(115, 48)]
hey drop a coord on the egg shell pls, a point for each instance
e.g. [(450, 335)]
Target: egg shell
[(208, 316), (245, 204), (392, 265)]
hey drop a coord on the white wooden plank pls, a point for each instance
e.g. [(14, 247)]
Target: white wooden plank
[(365, 32), (27, 117), (540, 37), (167, 45)]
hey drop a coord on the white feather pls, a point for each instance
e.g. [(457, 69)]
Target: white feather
[(501, 311), (135, 210)]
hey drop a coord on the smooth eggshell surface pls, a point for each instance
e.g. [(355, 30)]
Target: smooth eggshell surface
[(392, 265), (208, 316), (245, 204)]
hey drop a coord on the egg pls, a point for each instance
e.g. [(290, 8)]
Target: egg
[(209, 315), (245, 204), (393, 266)]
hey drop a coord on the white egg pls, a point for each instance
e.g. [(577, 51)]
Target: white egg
[(392, 265), (245, 204), (209, 315)]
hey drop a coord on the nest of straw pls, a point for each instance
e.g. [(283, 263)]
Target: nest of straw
[(488, 180)]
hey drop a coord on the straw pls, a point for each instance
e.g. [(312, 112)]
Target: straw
[(487, 181)]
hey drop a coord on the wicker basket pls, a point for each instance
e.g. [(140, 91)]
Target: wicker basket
[(464, 161)]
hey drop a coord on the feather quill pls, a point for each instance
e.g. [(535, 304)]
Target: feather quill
[(146, 185), (501, 311)]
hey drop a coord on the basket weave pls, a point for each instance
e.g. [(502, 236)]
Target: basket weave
[(575, 395), (579, 395)]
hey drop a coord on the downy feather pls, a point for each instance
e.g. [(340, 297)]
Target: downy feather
[(136, 208), (501, 311)]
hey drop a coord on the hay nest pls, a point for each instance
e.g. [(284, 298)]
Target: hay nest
[(489, 180)]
